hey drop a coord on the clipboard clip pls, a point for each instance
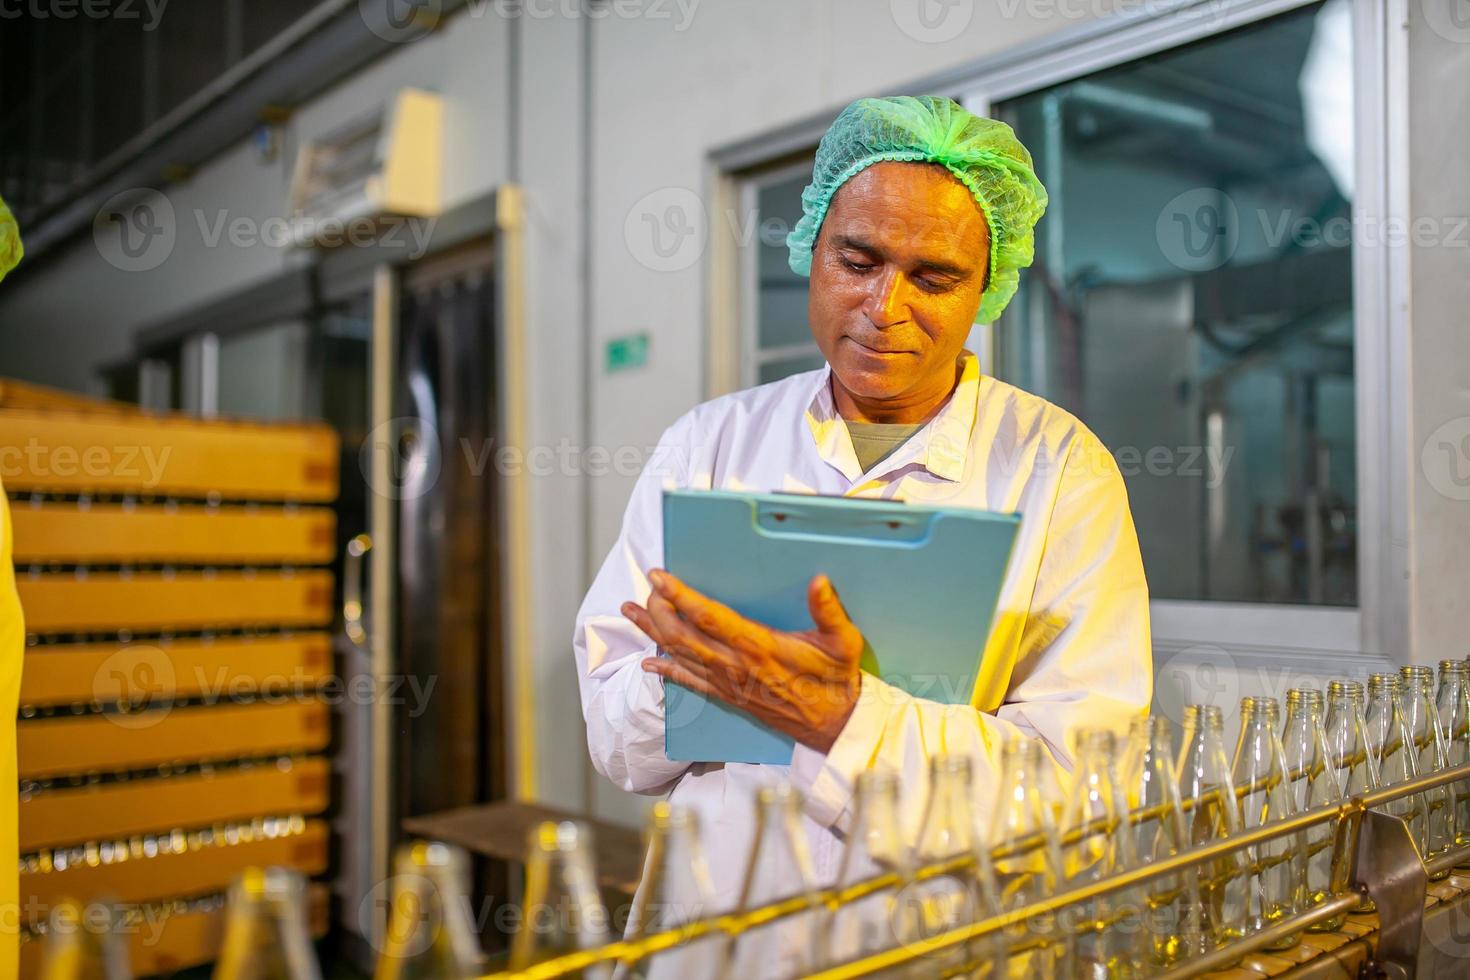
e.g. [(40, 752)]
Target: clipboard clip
[(825, 523)]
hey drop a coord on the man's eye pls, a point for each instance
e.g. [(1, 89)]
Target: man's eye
[(935, 286), (857, 266)]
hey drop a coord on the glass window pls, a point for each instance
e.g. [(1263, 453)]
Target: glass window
[(782, 343), (1191, 301)]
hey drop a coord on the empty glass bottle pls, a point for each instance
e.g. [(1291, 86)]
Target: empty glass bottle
[(429, 934), (1312, 783), (1348, 747), (563, 909), (1416, 697), (875, 846), (266, 934), (936, 905), (1351, 757), (1024, 812), (676, 888), (779, 866), (1173, 922), (1207, 793), (1452, 704), (1096, 842), (1392, 747), (76, 949), (1277, 882)]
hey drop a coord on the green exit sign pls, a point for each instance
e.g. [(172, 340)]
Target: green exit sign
[(626, 352)]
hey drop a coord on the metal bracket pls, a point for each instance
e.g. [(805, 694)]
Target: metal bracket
[(1390, 869)]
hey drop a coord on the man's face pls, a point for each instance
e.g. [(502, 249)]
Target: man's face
[(897, 273)]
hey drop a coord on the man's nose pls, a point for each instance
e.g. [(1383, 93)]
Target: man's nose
[(887, 303)]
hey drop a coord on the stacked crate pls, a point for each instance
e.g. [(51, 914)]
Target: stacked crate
[(173, 718)]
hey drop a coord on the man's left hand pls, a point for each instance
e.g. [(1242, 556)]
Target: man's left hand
[(803, 684)]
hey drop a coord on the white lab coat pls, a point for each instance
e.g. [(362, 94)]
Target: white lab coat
[(1070, 645)]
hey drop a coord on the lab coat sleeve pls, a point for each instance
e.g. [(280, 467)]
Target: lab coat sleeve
[(622, 704), (1084, 658)]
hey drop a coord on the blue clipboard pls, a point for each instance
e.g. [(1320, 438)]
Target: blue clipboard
[(920, 582)]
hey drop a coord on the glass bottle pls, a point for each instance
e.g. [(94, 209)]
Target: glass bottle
[(563, 908), (1452, 705), (1416, 697), (1207, 794), (1391, 744), (1312, 783), (266, 934), (779, 866), (1174, 928), (1277, 883), (429, 934), (676, 888), (1097, 842), (77, 950), (949, 829), (1348, 745), (1351, 757), (875, 846), (1034, 873)]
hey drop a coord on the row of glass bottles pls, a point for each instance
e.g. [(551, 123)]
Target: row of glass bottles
[(1126, 808), (266, 936)]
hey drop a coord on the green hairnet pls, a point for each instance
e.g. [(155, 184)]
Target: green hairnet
[(983, 154), (10, 250)]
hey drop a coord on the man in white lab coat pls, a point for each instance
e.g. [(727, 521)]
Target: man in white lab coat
[(916, 224)]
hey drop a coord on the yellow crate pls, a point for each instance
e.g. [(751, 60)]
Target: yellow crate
[(169, 875), (73, 452), (55, 817), (106, 601), (111, 534), (51, 747), (116, 672)]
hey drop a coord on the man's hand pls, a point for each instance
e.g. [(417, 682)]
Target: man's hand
[(801, 684)]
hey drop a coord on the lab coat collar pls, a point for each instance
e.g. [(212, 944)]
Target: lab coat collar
[(942, 445)]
